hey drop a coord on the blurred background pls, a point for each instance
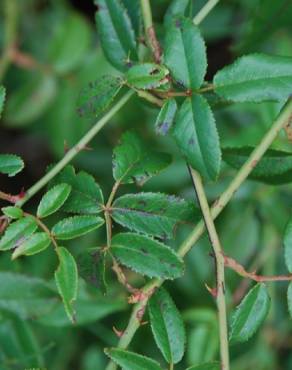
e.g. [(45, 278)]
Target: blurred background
[(54, 53)]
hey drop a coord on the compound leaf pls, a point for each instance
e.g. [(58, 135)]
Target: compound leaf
[(10, 164), (86, 195), (155, 214), (196, 135), (98, 96), (134, 162), (255, 78), (73, 227), (66, 277), (116, 33), (166, 117), (185, 53), (167, 326), (275, 167), (146, 256), (53, 200), (17, 232), (250, 314), (130, 360)]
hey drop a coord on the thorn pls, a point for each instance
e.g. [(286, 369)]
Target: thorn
[(136, 297), (212, 291), (119, 333)]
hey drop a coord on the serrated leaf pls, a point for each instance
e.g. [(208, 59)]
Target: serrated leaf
[(196, 135), (116, 33), (167, 326), (134, 162), (289, 298), (32, 245), (255, 78), (146, 256), (206, 366), (134, 12), (185, 53), (66, 277), (86, 196), (73, 227), (10, 164), (2, 98), (147, 76), (12, 212), (275, 167), (17, 232), (250, 314), (166, 117), (155, 214), (53, 200), (98, 96), (130, 360), (288, 245)]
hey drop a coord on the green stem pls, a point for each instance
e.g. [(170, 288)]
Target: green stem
[(151, 38), (219, 258), (11, 17), (205, 11), (284, 118), (75, 149)]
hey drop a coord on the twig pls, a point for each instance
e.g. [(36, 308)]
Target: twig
[(205, 11), (219, 257), (150, 30)]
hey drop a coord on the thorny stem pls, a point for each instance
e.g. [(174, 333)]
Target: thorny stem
[(205, 11), (284, 118), (11, 17), (219, 257), (151, 38), (75, 149)]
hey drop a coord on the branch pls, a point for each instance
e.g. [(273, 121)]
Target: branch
[(75, 149), (205, 11), (284, 118), (219, 257), (151, 38)]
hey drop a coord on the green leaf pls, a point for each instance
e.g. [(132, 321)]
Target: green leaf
[(289, 298), (275, 167), (70, 43), (98, 96), (130, 360), (250, 314), (17, 232), (27, 297), (86, 195), (12, 212), (66, 277), (255, 78), (167, 326), (166, 117), (10, 164), (53, 200), (2, 98), (147, 76), (206, 366), (185, 53), (134, 162), (196, 135), (116, 33), (146, 256), (73, 227), (288, 245), (32, 245), (175, 9), (155, 214)]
